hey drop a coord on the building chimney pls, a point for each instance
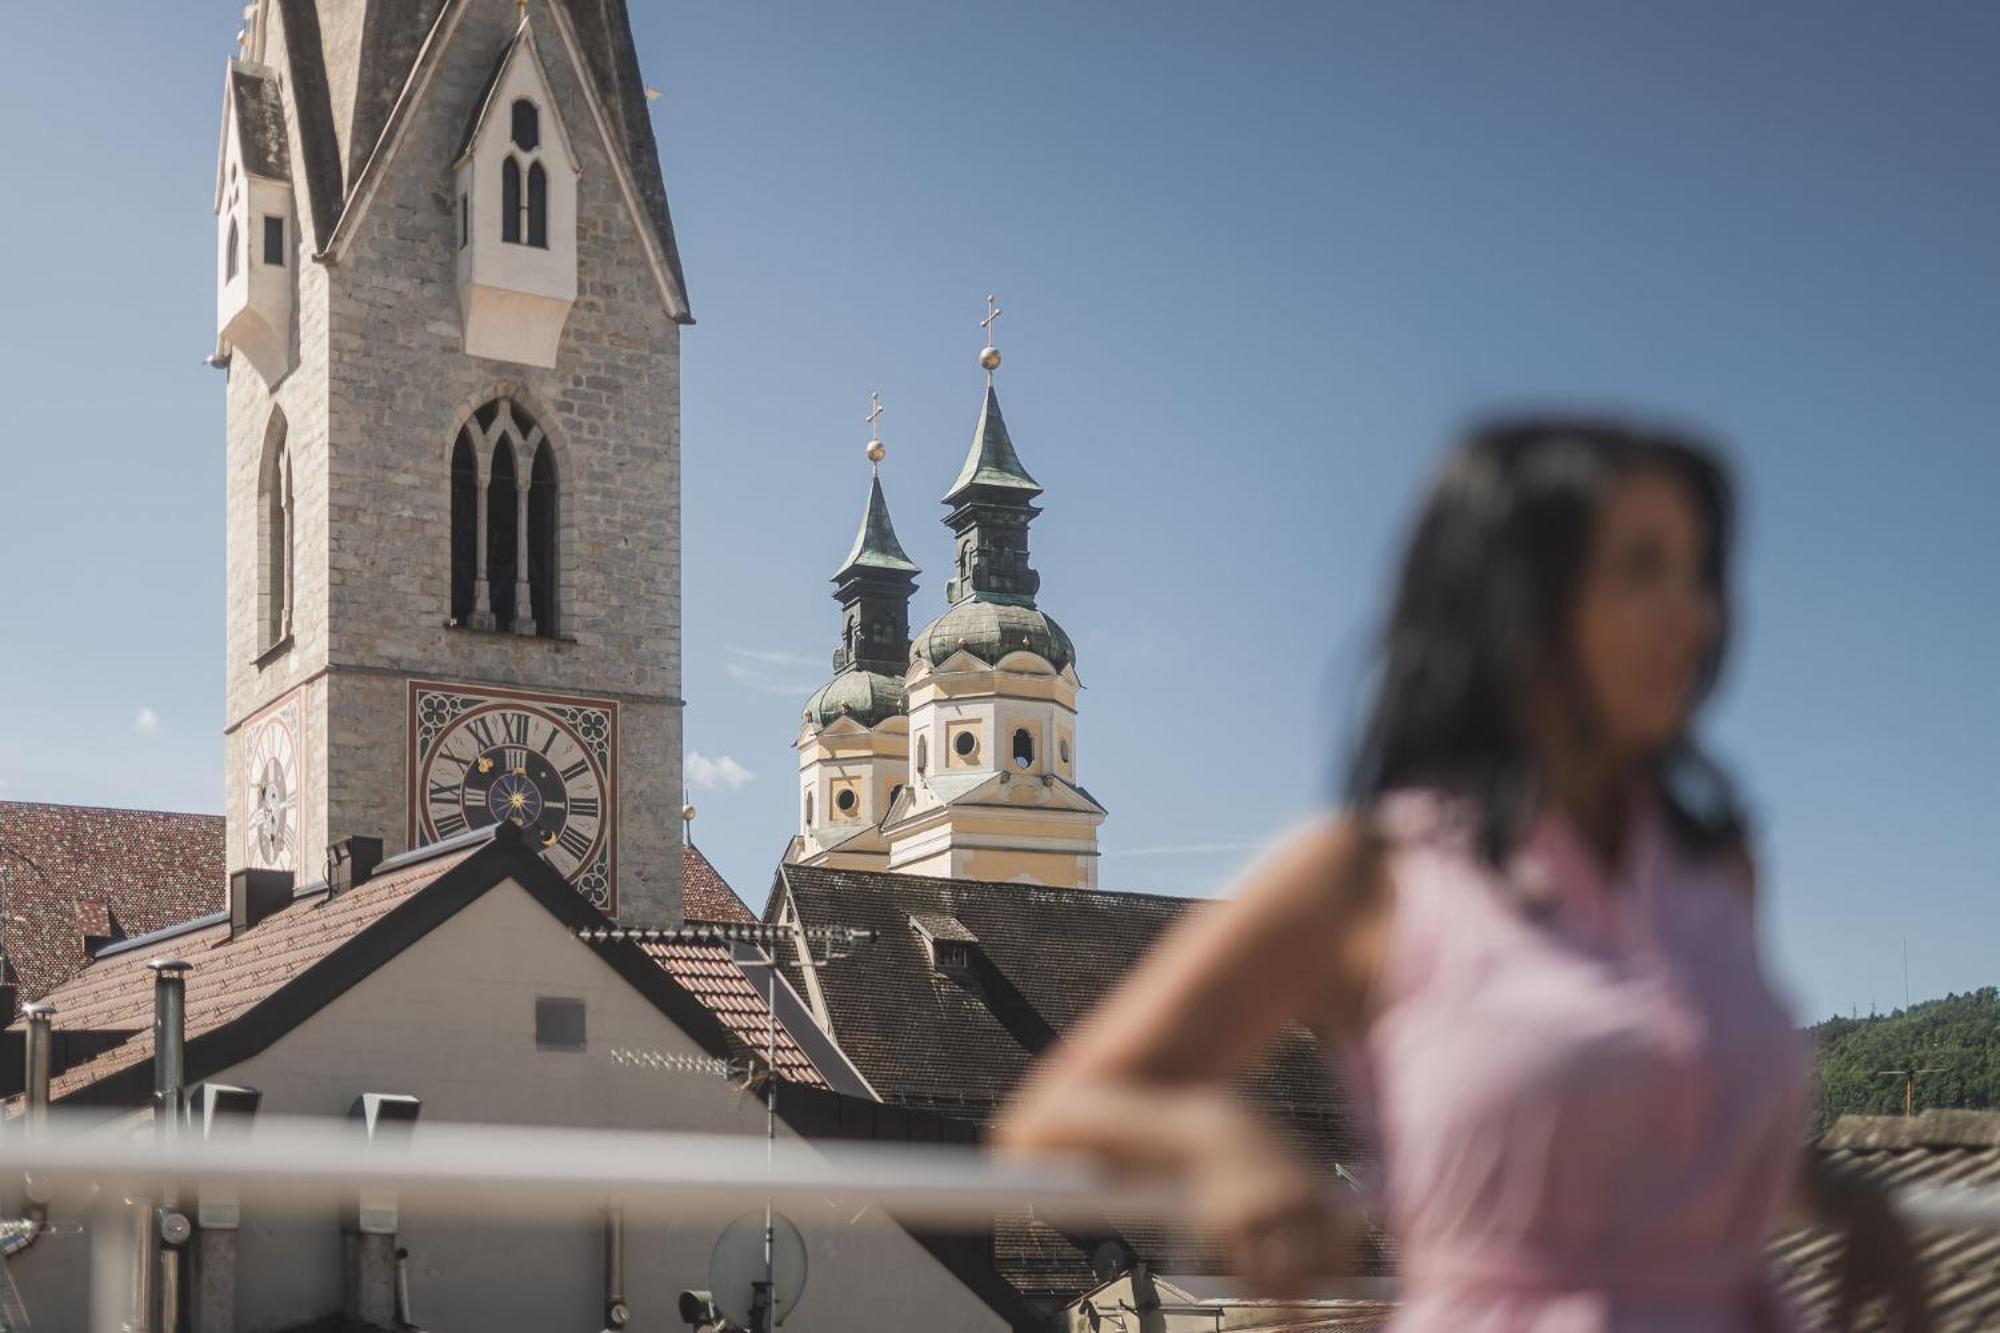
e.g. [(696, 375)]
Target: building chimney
[(351, 862), (256, 894), (41, 1036), (167, 1238), (368, 1241), (218, 1112)]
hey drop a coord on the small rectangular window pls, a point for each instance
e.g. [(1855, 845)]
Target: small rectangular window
[(558, 1024), (274, 241), (464, 221)]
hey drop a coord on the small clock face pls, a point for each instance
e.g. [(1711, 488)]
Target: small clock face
[(271, 794), (539, 765)]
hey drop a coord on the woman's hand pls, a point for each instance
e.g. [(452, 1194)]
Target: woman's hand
[(1880, 1257), (1280, 1225)]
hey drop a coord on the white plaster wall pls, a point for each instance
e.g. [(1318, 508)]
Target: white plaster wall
[(451, 1020)]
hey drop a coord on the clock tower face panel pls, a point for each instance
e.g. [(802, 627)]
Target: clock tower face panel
[(271, 803), (546, 763)]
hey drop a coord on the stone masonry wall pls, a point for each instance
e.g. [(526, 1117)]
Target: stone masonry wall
[(399, 386)]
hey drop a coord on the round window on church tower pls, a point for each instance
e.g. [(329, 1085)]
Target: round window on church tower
[(846, 800), (965, 743), (1062, 749)]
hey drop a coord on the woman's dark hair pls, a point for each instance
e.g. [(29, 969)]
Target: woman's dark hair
[(1482, 609)]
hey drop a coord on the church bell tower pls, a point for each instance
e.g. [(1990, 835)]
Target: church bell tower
[(854, 740), (449, 305), (991, 693)]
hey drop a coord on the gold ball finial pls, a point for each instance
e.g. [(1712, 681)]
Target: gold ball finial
[(687, 814), (876, 453), (990, 358)]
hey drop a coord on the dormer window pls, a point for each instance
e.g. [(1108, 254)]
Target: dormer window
[(517, 181)]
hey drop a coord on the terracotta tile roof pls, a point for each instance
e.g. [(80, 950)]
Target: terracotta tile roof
[(710, 974), (71, 870), (706, 894), (229, 976), (1961, 1268)]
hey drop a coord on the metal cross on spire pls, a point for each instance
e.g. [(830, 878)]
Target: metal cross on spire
[(990, 357), (875, 449)]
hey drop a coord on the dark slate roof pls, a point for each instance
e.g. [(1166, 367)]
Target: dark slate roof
[(1961, 1268), (1047, 956), (260, 122), (875, 545), (378, 68), (312, 103), (604, 34), (991, 461), (77, 871), (391, 36), (958, 1044)]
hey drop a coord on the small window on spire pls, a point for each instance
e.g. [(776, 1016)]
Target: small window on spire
[(1024, 748), (923, 755), (527, 126), (274, 241), (230, 261)]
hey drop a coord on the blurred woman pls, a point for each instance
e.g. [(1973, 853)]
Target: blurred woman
[(1529, 935)]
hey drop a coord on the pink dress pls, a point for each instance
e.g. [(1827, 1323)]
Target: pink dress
[(1587, 1097)]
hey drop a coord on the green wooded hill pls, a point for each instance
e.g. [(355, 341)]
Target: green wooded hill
[(1959, 1035)]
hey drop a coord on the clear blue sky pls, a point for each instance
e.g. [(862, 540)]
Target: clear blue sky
[(1256, 261)]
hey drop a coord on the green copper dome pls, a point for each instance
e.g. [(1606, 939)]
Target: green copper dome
[(869, 697), (991, 630)]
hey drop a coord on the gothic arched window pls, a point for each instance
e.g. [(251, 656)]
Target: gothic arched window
[(524, 208), (527, 126), (503, 503), (505, 515), (538, 206), (510, 201), (464, 528), (274, 535), (542, 540)]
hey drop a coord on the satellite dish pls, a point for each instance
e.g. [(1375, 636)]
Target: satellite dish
[(737, 1265)]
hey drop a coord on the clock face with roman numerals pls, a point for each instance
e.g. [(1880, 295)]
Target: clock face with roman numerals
[(542, 763)]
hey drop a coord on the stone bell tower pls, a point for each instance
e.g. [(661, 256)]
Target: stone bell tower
[(449, 309)]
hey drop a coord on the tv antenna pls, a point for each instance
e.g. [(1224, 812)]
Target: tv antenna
[(774, 1249), (1909, 1077)]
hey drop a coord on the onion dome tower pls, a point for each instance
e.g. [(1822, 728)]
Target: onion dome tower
[(991, 692), (853, 740)]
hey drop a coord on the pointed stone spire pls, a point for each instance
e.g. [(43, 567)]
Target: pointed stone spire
[(875, 545), (874, 585), (992, 461), (992, 503)]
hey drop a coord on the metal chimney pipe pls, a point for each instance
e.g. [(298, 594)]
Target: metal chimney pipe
[(616, 1313), (164, 1245), (41, 1037), (403, 1317)]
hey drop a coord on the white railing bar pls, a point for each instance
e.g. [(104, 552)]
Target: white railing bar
[(312, 1161)]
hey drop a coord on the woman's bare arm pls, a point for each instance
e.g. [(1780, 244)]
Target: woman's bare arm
[(1300, 941)]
